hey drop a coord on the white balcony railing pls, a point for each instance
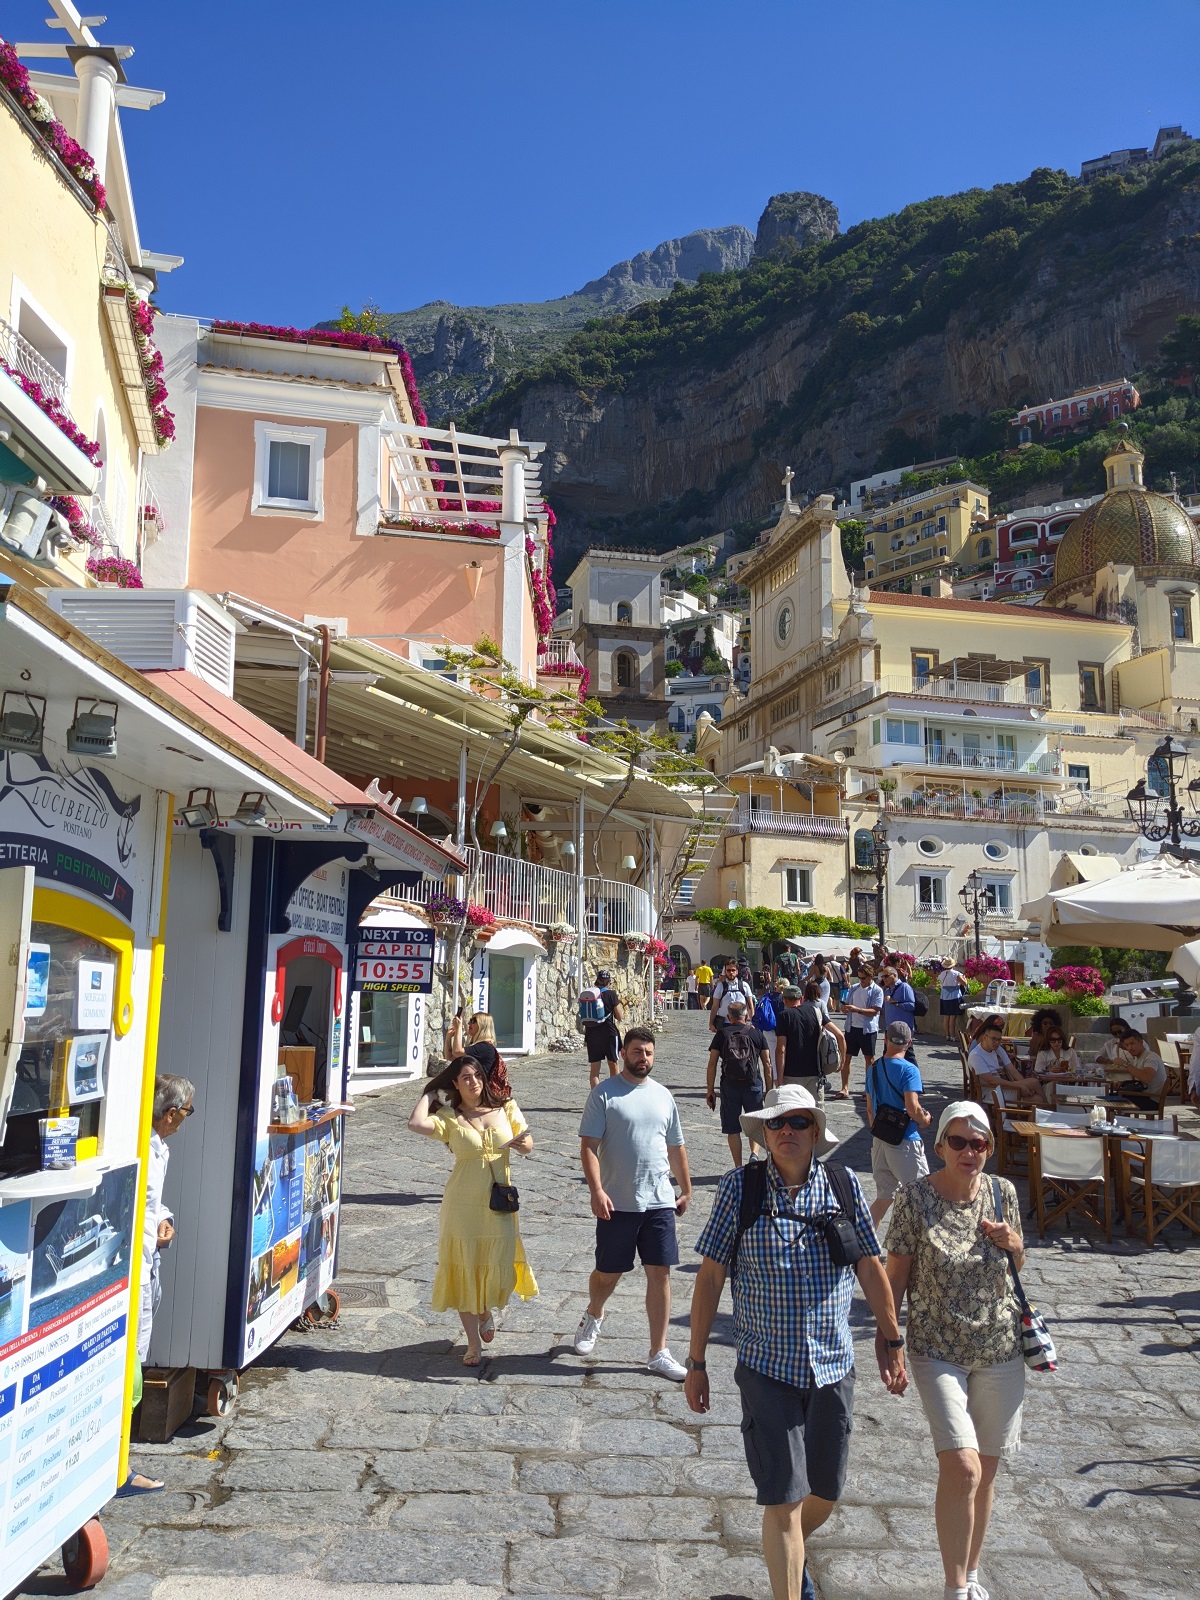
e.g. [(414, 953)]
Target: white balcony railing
[(19, 355), (460, 477), (1013, 693), (559, 655), (786, 824), (965, 760), (100, 519), (530, 892)]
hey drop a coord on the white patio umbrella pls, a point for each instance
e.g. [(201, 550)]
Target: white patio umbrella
[(1152, 905), (1185, 963)]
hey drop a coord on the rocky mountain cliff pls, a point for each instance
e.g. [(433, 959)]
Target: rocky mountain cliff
[(681, 416), (463, 354)]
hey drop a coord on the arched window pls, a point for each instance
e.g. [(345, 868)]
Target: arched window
[(864, 849), (624, 611), (984, 548), (625, 670)]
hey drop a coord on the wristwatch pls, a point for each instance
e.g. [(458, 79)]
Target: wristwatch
[(894, 1344), (696, 1366)]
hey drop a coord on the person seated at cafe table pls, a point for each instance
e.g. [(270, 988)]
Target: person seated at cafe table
[(1056, 1061), (1037, 1033), (996, 1069), (1111, 1048), (1147, 1073)]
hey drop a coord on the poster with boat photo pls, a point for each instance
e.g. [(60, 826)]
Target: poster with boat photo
[(275, 1295), (14, 1271), (81, 1246)]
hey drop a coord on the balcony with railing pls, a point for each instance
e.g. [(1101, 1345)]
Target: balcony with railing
[(785, 824), (1027, 806), (529, 892), (559, 656), (965, 760), (18, 355)]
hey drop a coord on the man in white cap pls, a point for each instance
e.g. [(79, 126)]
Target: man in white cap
[(793, 1233)]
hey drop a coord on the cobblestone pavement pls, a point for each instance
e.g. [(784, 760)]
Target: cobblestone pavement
[(366, 1460)]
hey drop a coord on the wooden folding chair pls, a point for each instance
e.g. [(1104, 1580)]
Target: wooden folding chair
[(1162, 1184), (1067, 1173), (1002, 1106)]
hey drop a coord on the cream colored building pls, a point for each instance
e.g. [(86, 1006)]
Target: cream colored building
[(80, 402), (920, 536)]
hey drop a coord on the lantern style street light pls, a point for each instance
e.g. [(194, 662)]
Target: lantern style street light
[(972, 896), (1161, 822), (883, 850)]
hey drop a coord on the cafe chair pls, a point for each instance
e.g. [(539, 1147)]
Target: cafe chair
[(1147, 1124), (1152, 1111), (1162, 1185), (1003, 1107), (1067, 1173)]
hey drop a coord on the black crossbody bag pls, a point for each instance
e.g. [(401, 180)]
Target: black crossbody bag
[(504, 1196), (891, 1122)]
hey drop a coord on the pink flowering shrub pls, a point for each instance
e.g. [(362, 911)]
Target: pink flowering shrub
[(986, 969), (1076, 980), (114, 569), (73, 156), (58, 416), (80, 524)]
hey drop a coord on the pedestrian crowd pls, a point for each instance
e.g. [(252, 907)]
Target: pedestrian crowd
[(790, 1229)]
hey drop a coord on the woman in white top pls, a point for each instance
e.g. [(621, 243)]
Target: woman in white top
[(952, 997), (1056, 1061), (1107, 1054)]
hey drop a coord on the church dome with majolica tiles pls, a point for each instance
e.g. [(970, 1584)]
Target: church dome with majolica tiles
[(1130, 526)]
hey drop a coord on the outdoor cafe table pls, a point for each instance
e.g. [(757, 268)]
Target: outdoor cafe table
[(1126, 1134)]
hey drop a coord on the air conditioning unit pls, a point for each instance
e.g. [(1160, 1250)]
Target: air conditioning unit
[(155, 630)]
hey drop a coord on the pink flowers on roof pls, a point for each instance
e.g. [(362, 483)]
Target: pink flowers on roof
[(73, 156)]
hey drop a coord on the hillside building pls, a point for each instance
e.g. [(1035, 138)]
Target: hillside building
[(615, 624), (1027, 542), (1168, 139), (922, 535), (1107, 402)]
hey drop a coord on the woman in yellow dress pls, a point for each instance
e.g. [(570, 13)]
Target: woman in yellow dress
[(480, 1257)]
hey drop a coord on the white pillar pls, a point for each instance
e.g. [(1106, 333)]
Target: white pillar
[(653, 909), (97, 99), (513, 457), (460, 807)]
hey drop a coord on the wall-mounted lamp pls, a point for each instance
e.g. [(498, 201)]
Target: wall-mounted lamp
[(22, 722), (417, 806), (367, 866), (94, 730), (473, 574), (252, 809), (201, 809)]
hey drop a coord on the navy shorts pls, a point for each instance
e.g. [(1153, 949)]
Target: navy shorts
[(650, 1233), (736, 1098), (797, 1441), (857, 1040)]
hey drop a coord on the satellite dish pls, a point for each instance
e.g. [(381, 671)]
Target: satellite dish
[(734, 905), (840, 757)]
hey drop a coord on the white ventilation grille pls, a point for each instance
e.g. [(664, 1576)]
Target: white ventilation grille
[(156, 630)]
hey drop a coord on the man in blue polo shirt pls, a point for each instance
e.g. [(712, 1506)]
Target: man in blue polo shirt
[(791, 1322), (899, 1005)]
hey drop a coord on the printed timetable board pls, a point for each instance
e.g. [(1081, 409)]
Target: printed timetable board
[(394, 960), (64, 1332)]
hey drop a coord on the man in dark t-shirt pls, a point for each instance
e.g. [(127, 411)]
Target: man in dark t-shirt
[(745, 1063), (797, 1033)]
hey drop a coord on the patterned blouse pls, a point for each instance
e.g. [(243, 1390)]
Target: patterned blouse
[(962, 1304)]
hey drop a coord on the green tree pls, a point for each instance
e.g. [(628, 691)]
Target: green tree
[(854, 538), (1180, 351)]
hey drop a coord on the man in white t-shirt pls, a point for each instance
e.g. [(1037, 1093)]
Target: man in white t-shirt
[(862, 1010), (729, 987)]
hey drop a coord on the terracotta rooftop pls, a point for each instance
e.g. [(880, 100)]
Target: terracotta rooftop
[(934, 603)]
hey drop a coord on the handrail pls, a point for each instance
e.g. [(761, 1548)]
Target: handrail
[(527, 891), (17, 353)]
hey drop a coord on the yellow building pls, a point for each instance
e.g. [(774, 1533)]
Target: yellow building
[(81, 396), (922, 535)]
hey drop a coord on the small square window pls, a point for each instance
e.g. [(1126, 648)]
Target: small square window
[(797, 886), (289, 471), (1181, 619)]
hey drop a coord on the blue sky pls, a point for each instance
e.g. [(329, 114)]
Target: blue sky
[(312, 154)]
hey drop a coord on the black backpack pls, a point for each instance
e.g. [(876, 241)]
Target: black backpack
[(739, 1058), (840, 1227)]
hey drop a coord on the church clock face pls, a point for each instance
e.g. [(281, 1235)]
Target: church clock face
[(784, 619)]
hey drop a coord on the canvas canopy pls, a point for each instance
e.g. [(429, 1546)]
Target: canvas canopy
[(1153, 905)]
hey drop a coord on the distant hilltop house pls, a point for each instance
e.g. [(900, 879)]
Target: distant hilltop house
[(1117, 160), (1051, 417)]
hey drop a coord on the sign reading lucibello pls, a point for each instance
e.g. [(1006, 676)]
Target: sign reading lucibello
[(393, 960)]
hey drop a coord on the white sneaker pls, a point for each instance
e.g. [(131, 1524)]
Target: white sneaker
[(587, 1333), (976, 1591), (664, 1365)]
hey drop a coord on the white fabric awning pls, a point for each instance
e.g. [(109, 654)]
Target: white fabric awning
[(1153, 905)]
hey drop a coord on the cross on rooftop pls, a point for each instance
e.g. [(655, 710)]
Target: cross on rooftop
[(788, 477), (79, 32)]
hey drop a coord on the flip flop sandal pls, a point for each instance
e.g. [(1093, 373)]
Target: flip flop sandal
[(487, 1328), (129, 1488)]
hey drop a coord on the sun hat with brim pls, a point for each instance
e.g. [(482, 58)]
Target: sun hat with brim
[(781, 1102), (964, 1111)]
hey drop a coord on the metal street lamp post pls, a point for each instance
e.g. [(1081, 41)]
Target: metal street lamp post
[(1168, 764), (971, 896), (883, 850)]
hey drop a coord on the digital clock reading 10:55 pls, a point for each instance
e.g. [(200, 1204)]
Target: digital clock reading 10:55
[(783, 621)]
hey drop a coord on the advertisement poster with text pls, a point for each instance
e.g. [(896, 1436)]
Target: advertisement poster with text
[(64, 1321)]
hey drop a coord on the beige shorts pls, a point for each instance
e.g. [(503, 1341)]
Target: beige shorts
[(894, 1164), (972, 1408)]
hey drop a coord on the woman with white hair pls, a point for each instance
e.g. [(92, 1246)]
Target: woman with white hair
[(948, 1246)]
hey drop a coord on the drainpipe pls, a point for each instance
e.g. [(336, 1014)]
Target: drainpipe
[(322, 694), (653, 910), (302, 701), (460, 809)]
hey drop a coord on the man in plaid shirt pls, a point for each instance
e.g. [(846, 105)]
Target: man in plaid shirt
[(791, 1318)]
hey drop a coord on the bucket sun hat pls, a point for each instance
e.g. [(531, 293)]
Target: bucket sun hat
[(964, 1111), (780, 1102)]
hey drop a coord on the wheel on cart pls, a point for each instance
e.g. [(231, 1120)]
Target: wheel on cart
[(326, 1307), (222, 1395), (85, 1556)]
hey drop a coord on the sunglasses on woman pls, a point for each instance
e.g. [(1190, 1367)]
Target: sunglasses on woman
[(977, 1147), (798, 1124)]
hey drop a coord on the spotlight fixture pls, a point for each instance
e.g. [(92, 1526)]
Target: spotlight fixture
[(252, 809), (200, 812), (367, 866), (22, 722), (94, 730)]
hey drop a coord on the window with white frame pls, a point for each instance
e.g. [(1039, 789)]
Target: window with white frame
[(289, 471), (797, 886), (931, 893), (997, 897)]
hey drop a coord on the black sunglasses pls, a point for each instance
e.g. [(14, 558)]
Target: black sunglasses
[(798, 1124), (975, 1146)]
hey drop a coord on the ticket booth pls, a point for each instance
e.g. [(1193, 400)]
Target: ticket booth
[(92, 758)]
